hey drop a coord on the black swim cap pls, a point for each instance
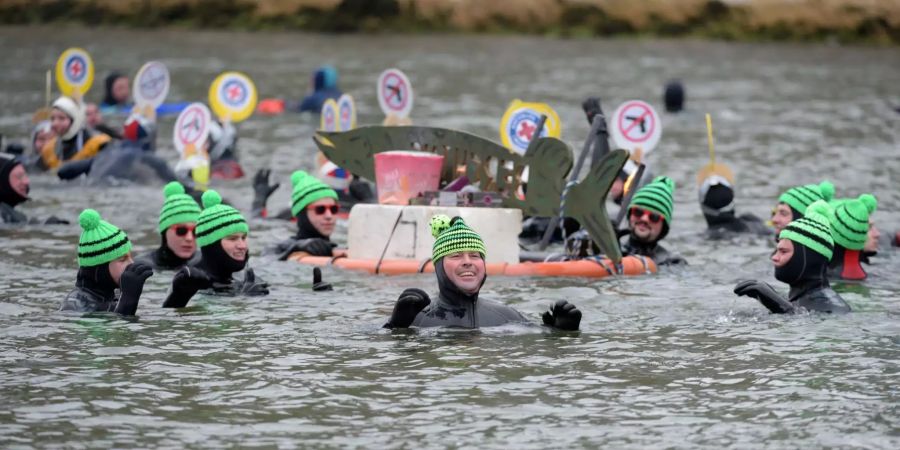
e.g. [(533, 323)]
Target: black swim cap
[(674, 96)]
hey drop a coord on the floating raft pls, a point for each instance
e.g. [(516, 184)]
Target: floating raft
[(588, 268)]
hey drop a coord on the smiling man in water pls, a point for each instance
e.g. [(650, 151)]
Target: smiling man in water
[(458, 255), (649, 215)]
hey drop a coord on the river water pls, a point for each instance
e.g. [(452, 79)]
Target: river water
[(672, 360)]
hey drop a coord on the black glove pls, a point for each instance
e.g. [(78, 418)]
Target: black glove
[(318, 284), (185, 284), (360, 190), (53, 220), (411, 302), (591, 107), (765, 294), (253, 287), (313, 246), (562, 315), (262, 190), (131, 283)]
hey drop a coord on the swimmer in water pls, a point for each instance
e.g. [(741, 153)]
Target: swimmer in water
[(14, 189), (850, 231), (73, 141), (795, 200), (716, 193), (458, 255), (105, 265), (314, 204), (221, 234), (177, 222), (649, 215), (801, 258)]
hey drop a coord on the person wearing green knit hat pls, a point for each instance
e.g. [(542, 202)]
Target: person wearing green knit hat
[(221, 233), (315, 206), (177, 222), (850, 231), (458, 257), (801, 258), (795, 200), (649, 217), (105, 265)]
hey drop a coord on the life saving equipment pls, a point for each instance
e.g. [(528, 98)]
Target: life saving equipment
[(588, 267)]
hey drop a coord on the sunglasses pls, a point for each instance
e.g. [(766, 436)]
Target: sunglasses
[(183, 230), (638, 213), (320, 209)]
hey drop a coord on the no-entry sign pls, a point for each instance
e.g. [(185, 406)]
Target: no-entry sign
[(395, 94), (635, 124)]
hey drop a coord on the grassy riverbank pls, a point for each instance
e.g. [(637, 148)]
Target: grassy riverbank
[(846, 21)]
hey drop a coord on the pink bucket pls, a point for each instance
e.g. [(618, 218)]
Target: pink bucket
[(402, 175)]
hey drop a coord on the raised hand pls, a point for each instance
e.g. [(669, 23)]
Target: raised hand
[(262, 190), (411, 302), (185, 284), (131, 283), (562, 315)]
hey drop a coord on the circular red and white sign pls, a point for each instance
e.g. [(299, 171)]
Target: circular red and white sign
[(151, 84), (191, 127), (635, 124), (395, 94)]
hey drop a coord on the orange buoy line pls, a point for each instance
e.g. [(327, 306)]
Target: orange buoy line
[(589, 268)]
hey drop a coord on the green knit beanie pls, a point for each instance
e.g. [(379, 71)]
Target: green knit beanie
[(101, 241), (307, 189), (217, 221), (850, 221), (800, 197), (656, 196), (453, 236), (177, 208), (813, 229)]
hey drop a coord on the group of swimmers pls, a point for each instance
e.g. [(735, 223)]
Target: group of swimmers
[(818, 237)]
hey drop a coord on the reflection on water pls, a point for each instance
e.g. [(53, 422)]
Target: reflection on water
[(674, 359)]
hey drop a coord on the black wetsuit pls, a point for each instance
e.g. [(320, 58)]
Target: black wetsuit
[(652, 250), (454, 308), (9, 198), (723, 224), (805, 273), (213, 275), (308, 239), (95, 291), (163, 258)]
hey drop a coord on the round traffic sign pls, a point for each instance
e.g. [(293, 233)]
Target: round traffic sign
[(395, 93), (151, 84), (346, 113), (635, 124), (191, 128), (232, 96), (520, 121), (329, 116), (74, 72)]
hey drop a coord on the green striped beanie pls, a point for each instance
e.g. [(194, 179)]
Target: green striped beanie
[(800, 197), (813, 229), (101, 241), (850, 221), (307, 189), (217, 220), (453, 236), (178, 207), (656, 196)]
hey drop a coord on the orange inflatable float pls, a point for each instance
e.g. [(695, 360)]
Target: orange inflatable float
[(589, 268)]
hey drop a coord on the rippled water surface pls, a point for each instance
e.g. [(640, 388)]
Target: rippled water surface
[(673, 360)]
